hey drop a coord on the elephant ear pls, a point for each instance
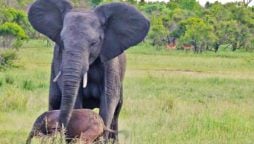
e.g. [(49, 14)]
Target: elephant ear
[(124, 25), (46, 16)]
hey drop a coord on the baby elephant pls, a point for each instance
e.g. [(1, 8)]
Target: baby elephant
[(84, 124)]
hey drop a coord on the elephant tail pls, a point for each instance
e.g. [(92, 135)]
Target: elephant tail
[(125, 133), (29, 138), (109, 130)]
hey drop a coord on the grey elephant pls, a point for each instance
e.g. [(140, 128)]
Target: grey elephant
[(89, 62)]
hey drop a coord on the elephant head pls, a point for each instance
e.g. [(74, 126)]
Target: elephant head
[(45, 124), (104, 32)]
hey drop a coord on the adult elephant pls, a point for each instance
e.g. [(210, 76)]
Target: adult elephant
[(89, 61)]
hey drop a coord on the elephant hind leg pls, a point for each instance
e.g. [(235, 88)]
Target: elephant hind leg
[(114, 124)]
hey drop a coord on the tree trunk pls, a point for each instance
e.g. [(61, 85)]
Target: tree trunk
[(216, 48)]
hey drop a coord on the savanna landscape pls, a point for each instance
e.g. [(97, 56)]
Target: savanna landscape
[(171, 96)]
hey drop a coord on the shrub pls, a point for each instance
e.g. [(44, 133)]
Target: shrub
[(1, 82), (158, 32), (10, 28), (12, 15), (6, 58), (28, 85), (9, 79), (12, 35)]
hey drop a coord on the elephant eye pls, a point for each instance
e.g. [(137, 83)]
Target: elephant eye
[(93, 43)]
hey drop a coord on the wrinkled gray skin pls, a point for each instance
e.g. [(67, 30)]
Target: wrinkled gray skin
[(88, 43)]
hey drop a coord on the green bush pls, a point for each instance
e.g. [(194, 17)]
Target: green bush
[(158, 32), (10, 28), (9, 80), (1, 82), (12, 35), (19, 17), (12, 15), (7, 57), (28, 85), (14, 27)]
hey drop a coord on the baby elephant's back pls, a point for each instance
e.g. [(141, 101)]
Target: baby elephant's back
[(85, 122)]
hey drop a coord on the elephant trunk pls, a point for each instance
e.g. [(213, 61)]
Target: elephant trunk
[(74, 67)]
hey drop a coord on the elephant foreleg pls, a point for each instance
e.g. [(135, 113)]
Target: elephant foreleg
[(111, 96), (107, 113)]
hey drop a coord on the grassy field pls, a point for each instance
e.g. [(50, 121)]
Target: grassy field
[(170, 97)]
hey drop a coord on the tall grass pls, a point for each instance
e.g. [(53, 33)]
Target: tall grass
[(6, 58), (170, 97)]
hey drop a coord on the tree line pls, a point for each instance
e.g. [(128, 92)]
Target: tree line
[(182, 23), (178, 24)]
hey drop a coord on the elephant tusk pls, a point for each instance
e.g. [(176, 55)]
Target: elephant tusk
[(85, 80), (57, 76)]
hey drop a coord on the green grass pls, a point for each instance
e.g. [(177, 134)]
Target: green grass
[(170, 97)]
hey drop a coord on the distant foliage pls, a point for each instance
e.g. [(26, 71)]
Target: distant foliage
[(18, 4), (205, 28), (158, 31), (194, 31), (11, 14), (14, 27), (181, 22)]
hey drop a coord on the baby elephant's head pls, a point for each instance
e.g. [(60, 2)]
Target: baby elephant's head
[(45, 124)]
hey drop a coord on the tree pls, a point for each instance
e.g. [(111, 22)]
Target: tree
[(19, 4), (196, 32), (218, 16), (159, 16), (14, 27), (243, 26), (10, 32), (190, 5), (158, 33), (153, 8)]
